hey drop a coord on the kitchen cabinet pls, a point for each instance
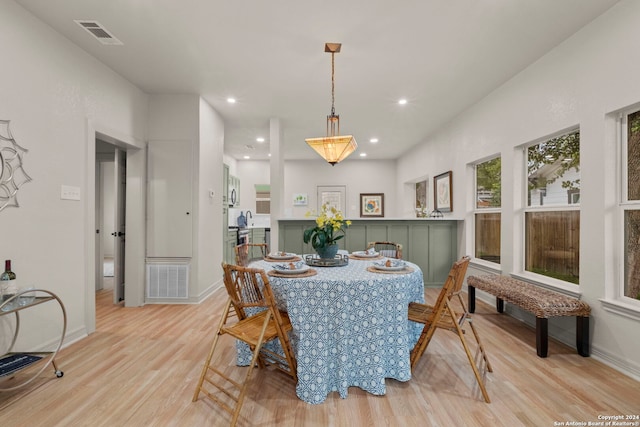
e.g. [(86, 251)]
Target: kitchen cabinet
[(225, 186), (225, 213), (256, 235), (231, 241), (234, 191)]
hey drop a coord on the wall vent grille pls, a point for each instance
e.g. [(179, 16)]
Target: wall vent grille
[(98, 31), (167, 280)]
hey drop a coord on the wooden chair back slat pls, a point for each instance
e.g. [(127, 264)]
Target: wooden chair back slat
[(387, 249), (246, 251)]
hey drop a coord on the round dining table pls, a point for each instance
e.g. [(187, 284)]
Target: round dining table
[(350, 326)]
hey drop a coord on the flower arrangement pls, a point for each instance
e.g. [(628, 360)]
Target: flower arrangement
[(330, 227)]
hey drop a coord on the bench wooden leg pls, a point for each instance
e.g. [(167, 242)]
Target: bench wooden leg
[(499, 305), (542, 336), (582, 335), (471, 296)]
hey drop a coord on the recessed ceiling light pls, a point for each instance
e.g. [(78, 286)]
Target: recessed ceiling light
[(260, 139), (402, 101), (246, 157), (363, 154), (231, 100), (269, 154), (373, 140)]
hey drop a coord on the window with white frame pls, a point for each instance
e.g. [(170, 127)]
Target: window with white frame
[(552, 215), (631, 203), (488, 210)]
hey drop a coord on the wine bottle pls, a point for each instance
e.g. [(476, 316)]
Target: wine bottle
[(8, 283)]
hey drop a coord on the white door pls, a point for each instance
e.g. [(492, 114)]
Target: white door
[(99, 229), (169, 225), (120, 159)]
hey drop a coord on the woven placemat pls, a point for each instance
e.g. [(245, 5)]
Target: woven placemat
[(275, 273), (405, 270), (295, 259), (368, 258)]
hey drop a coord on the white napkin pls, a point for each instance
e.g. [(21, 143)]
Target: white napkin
[(297, 266)]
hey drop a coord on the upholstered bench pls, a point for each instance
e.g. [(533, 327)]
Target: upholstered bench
[(543, 303)]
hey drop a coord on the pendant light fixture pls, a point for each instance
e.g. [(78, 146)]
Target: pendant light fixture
[(334, 147)]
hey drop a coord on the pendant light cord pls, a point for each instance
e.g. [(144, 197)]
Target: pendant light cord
[(333, 98)]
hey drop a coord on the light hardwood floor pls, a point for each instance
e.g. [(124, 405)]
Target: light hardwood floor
[(141, 366)]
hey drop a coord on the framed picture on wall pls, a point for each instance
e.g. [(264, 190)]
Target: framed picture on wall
[(371, 204), (443, 192), (421, 198), (300, 199), (332, 196)]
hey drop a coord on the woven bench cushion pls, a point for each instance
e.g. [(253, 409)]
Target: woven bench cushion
[(542, 302)]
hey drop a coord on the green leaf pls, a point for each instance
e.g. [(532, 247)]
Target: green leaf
[(307, 234)]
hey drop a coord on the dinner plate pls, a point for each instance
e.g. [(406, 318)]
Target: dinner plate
[(382, 266), (280, 255), (302, 269), (364, 254)]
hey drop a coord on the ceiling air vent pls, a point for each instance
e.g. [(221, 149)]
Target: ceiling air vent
[(98, 31)]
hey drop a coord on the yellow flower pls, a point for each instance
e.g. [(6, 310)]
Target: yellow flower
[(330, 227)]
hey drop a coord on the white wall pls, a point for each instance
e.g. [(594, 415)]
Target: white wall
[(251, 172), (209, 238), (359, 176), (189, 120), (592, 74), (304, 176), (53, 92)]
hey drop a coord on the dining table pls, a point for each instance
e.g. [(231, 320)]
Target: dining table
[(350, 325)]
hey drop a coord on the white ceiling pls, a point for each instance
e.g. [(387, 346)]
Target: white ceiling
[(441, 55)]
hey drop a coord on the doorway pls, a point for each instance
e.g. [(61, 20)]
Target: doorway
[(110, 212)]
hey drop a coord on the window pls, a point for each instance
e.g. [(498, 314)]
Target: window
[(487, 210), (263, 198), (552, 216), (631, 204)]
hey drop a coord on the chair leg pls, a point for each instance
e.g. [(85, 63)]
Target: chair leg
[(207, 362), (241, 387), (480, 346), (255, 359), (470, 357), (421, 345), (468, 317)]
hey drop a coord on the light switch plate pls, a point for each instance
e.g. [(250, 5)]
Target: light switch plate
[(68, 192)]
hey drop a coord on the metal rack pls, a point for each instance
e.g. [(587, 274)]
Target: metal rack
[(24, 300)]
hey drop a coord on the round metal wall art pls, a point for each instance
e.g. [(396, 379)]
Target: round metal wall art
[(12, 174)]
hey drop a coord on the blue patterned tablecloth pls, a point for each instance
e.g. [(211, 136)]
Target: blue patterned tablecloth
[(350, 327)]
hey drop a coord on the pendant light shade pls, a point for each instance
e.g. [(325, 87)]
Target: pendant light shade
[(334, 147)]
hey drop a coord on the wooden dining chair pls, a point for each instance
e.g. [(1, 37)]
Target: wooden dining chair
[(258, 321), (443, 315), (387, 249), (248, 252)]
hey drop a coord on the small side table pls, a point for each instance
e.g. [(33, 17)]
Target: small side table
[(13, 362)]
